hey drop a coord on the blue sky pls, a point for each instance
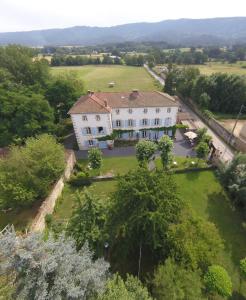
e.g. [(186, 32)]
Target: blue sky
[(18, 15)]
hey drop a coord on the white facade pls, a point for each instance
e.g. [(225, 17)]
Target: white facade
[(135, 123)]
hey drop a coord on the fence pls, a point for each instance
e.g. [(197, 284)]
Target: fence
[(48, 204), (234, 141)]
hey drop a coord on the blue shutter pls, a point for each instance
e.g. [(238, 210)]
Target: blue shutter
[(126, 123), (113, 124), (104, 130), (134, 123), (153, 122), (148, 122), (122, 123), (83, 131), (94, 131)]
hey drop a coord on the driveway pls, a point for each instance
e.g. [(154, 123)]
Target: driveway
[(181, 148)]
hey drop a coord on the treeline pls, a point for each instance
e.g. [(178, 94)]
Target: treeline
[(79, 60), (177, 56), (224, 93), (232, 55), (32, 101)]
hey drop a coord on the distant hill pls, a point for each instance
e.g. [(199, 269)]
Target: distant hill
[(190, 32)]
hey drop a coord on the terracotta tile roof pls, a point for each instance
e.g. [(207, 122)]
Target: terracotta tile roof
[(96, 102), (89, 104)]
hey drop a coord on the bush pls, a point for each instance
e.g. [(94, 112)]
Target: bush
[(48, 220), (95, 158), (218, 281), (80, 179), (144, 151)]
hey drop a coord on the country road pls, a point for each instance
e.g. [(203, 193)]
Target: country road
[(226, 152)]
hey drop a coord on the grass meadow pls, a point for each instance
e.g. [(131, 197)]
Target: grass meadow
[(126, 78)]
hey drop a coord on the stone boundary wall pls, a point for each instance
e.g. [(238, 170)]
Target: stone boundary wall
[(48, 204), (234, 141)]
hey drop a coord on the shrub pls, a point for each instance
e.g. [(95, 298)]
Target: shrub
[(95, 158), (80, 179), (48, 220), (218, 281), (144, 151)]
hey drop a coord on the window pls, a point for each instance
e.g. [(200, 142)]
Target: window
[(119, 135), (144, 134), (84, 118), (98, 118), (169, 110), (145, 122), (157, 121), (130, 134), (90, 142), (88, 130), (117, 111), (130, 111), (168, 122), (100, 130), (145, 110), (156, 135), (118, 123), (130, 122), (157, 110)]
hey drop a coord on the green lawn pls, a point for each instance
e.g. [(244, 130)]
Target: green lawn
[(208, 199), (183, 163), (126, 78), (115, 165)]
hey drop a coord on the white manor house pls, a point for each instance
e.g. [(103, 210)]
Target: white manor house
[(135, 115)]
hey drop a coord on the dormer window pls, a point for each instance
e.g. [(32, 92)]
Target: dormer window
[(169, 110), (117, 111), (145, 110), (84, 118), (98, 118), (130, 111), (157, 110)]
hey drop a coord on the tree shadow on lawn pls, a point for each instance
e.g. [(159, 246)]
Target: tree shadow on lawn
[(192, 175), (229, 223)]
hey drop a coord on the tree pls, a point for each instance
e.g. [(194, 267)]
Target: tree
[(131, 289), (95, 158), (233, 177), (172, 281), (87, 221), (143, 207), (218, 281), (165, 146), (23, 114), (51, 269), (27, 173), (202, 150), (62, 92), (194, 242), (204, 101), (202, 135), (243, 267), (144, 151)]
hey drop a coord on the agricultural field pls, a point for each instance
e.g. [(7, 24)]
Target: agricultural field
[(229, 124), (209, 68), (126, 78)]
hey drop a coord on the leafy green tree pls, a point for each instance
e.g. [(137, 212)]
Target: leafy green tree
[(19, 62), (195, 242), (95, 158), (202, 150), (233, 177), (23, 114), (172, 281), (27, 173), (131, 289), (144, 151), (87, 221), (217, 281), (243, 267), (143, 207), (204, 101), (51, 269), (165, 146), (202, 135), (62, 92)]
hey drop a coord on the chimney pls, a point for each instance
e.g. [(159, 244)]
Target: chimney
[(90, 92), (135, 93), (106, 103)]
